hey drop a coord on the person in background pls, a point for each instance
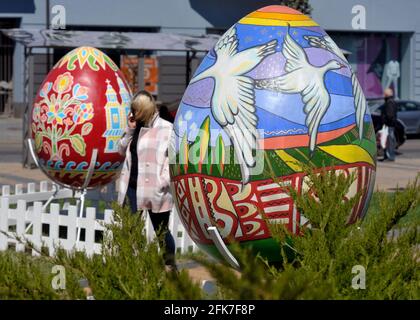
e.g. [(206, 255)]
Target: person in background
[(165, 114), (145, 180), (389, 118)]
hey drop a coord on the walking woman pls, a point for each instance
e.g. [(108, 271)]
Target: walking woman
[(144, 180)]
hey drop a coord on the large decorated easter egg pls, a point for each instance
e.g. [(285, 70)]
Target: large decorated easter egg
[(274, 96), (80, 113)]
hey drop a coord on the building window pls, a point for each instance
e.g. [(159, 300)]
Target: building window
[(7, 46), (217, 31), (114, 54), (115, 120), (376, 59)]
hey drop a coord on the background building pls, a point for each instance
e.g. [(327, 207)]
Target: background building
[(384, 53)]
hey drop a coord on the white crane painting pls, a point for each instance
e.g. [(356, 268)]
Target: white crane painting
[(233, 99)]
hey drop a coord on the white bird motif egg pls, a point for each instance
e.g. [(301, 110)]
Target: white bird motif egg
[(273, 96)]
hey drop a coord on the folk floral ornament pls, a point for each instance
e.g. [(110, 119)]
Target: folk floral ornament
[(275, 95), (82, 105)]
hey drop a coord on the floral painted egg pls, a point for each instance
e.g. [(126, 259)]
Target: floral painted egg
[(79, 114), (273, 96)]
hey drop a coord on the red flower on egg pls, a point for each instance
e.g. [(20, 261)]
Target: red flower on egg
[(68, 122), (83, 113), (63, 83)]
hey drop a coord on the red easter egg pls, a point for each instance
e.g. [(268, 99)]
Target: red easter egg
[(81, 111)]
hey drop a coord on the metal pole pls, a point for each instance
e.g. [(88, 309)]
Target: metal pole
[(82, 206), (140, 72), (188, 68), (84, 189), (27, 98), (48, 27), (25, 103), (47, 16), (189, 58), (222, 248)]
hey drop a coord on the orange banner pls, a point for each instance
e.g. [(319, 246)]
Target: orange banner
[(130, 68), (151, 75)]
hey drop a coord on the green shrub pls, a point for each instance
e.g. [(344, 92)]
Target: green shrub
[(321, 267), (25, 277), (128, 268), (326, 253)]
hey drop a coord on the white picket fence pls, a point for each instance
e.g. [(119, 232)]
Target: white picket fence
[(56, 226)]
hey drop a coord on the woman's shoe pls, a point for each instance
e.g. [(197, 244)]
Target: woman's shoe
[(171, 268)]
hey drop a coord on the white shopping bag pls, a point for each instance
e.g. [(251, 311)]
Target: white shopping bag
[(383, 136)]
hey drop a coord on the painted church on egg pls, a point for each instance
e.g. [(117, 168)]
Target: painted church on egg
[(116, 114)]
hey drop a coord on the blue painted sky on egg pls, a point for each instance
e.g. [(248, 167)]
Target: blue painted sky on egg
[(269, 124), (273, 111), (250, 36), (291, 106), (258, 35)]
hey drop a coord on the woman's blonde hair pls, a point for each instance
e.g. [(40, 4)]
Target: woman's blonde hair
[(143, 107)]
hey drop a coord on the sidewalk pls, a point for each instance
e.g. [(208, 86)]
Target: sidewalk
[(11, 145), (393, 175)]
